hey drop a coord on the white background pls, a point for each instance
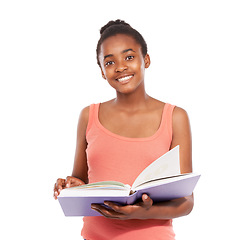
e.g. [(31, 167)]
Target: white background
[(48, 73)]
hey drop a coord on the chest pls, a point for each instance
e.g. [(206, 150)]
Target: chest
[(132, 124)]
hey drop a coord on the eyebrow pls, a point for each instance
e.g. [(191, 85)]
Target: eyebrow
[(109, 55), (127, 50), (124, 51)]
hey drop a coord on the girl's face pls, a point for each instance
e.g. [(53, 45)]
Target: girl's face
[(122, 63)]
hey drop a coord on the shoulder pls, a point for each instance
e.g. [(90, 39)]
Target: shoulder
[(107, 104), (84, 114), (84, 117), (155, 105), (106, 107), (179, 115), (180, 119)]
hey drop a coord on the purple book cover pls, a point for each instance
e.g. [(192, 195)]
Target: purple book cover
[(176, 188)]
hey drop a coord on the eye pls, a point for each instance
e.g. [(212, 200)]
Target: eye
[(109, 63), (129, 58)]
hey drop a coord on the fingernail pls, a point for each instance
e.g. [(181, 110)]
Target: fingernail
[(67, 185), (145, 197)]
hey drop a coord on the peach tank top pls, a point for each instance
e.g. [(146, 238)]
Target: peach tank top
[(118, 158)]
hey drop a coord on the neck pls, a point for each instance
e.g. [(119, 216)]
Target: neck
[(133, 101)]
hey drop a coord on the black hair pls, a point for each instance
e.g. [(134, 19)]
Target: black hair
[(113, 28)]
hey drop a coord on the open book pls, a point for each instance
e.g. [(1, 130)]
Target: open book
[(161, 180)]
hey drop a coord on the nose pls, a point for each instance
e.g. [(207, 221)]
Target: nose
[(120, 68)]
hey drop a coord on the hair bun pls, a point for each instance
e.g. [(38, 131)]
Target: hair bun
[(112, 23)]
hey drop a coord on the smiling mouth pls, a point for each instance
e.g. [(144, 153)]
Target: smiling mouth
[(124, 79)]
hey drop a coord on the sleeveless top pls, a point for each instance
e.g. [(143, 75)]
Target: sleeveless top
[(111, 157)]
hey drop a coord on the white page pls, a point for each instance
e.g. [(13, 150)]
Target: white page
[(166, 180), (165, 166), (103, 191), (101, 184)]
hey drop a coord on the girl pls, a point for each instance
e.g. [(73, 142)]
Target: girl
[(117, 139)]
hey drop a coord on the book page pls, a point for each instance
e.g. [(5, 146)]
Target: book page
[(165, 166), (161, 181), (103, 184), (106, 188)]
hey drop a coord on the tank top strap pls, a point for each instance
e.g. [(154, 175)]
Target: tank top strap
[(167, 121), (93, 111)]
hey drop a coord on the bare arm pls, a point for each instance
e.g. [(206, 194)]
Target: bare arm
[(181, 136), (80, 167), (79, 173)]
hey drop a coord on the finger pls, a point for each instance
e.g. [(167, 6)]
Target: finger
[(147, 201), (124, 211), (54, 189), (108, 213), (72, 181), (55, 193), (116, 207), (68, 181), (60, 184)]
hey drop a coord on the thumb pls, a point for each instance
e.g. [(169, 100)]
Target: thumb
[(73, 182), (147, 201), (68, 182)]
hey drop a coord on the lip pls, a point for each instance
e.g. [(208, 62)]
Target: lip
[(127, 76)]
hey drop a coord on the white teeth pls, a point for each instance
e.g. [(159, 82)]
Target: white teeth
[(124, 78)]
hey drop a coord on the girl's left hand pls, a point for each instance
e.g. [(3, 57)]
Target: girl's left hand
[(136, 211)]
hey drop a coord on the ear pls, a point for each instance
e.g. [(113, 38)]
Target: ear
[(147, 60)]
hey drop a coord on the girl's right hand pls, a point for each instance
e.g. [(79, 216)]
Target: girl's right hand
[(66, 183)]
